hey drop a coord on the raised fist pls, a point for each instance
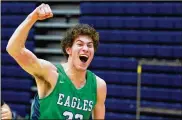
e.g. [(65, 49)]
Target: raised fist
[(42, 12)]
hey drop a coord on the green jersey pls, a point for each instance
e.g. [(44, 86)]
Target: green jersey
[(66, 101)]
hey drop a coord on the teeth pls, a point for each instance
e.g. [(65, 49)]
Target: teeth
[(84, 56)]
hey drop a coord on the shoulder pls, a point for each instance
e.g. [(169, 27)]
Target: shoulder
[(47, 64), (101, 84), (101, 90), (48, 73)]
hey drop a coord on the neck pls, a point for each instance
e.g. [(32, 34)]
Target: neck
[(74, 74)]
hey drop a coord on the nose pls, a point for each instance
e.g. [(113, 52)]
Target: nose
[(85, 48)]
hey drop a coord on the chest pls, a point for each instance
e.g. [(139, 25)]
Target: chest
[(67, 96), (72, 101)]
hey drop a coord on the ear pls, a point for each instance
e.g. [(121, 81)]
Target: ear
[(68, 50)]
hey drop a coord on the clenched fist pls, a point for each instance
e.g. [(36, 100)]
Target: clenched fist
[(42, 12)]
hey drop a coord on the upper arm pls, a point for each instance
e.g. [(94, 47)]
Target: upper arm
[(99, 110), (31, 64)]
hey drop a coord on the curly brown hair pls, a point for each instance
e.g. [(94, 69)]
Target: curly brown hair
[(80, 29)]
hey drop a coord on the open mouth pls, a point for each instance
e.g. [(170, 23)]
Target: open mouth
[(83, 58)]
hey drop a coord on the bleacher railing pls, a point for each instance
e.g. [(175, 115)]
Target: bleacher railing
[(140, 109)]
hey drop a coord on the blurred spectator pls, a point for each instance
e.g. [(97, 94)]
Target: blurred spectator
[(7, 113)]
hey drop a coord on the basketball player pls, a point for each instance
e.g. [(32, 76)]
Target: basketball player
[(65, 91)]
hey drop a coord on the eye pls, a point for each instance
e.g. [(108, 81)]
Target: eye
[(79, 44), (90, 45)]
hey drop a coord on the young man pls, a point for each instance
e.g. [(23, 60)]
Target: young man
[(65, 91)]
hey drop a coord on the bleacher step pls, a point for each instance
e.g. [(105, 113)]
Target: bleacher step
[(48, 37), (48, 51), (66, 12), (161, 111), (54, 25)]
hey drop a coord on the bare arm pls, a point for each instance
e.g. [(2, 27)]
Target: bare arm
[(16, 45), (99, 110)]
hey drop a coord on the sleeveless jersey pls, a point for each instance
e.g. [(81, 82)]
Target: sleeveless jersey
[(66, 101)]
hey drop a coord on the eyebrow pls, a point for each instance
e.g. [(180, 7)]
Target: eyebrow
[(82, 41)]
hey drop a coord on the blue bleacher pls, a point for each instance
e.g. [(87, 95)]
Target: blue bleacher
[(117, 22), (165, 37), (151, 117), (15, 96), (114, 63), (146, 93), (18, 7), (177, 8), (12, 21), (6, 33), (161, 80), (20, 109), (132, 22), (177, 52), (13, 71), (91, 7), (125, 116), (163, 105), (162, 69), (121, 91), (149, 8), (140, 36), (129, 106), (146, 78), (16, 84), (161, 94), (119, 116), (140, 50), (164, 51), (126, 105), (110, 49), (169, 22), (110, 77), (7, 59)]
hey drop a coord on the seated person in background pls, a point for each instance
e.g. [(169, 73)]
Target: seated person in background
[(7, 113)]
